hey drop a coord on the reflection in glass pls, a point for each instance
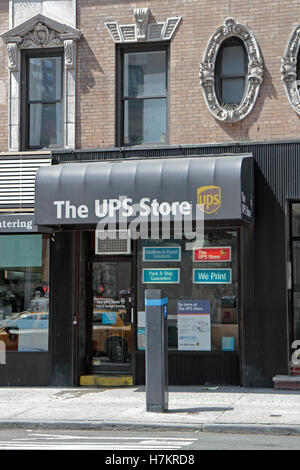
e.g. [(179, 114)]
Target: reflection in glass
[(45, 102), (145, 74), (296, 220), (111, 323), (45, 124), (145, 121), (24, 292), (223, 298), (233, 61), (45, 79), (144, 97), (296, 289), (233, 90), (231, 71)]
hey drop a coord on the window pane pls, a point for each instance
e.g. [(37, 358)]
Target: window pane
[(24, 292), (45, 78), (145, 74), (296, 289), (232, 90), (111, 335), (45, 125), (145, 121), (233, 61), (296, 220), (217, 328)]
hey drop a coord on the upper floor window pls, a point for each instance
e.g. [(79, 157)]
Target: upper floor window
[(43, 122), (42, 83), (231, 72), (143, 96), (290, 70)]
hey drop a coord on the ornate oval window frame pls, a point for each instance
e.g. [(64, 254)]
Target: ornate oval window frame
[(289, 69), (254, 77)]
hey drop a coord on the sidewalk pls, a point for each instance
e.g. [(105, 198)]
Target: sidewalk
[(222, 409)]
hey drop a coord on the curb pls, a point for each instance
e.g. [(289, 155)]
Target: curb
[(103, 425)]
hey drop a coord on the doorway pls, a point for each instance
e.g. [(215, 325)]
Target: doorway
[(112, 316)]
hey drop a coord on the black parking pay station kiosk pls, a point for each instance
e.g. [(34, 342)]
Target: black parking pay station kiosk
[(156, 303)]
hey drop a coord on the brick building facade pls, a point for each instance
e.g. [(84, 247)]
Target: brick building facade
[(92, 41), (190, 123)]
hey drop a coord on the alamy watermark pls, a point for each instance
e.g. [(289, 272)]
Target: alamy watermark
[(295, 359), (150, 219)]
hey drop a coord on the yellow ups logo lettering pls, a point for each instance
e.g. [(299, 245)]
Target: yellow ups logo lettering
[(210, 198)]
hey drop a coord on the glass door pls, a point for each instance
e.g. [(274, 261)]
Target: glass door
[(294, 326), (112, 315)]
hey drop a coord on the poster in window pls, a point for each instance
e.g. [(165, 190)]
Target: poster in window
[(194, 325)]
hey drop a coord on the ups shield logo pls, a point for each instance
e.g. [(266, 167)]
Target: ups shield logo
[(210, 198)]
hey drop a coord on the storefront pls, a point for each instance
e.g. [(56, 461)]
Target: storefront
[(96, 290), (98, 316), (24, 301)]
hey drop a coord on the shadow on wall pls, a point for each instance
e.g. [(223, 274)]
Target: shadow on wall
[(240, 130), (87, 66)]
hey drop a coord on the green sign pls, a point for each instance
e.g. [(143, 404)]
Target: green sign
[(161, 276), (212, 276)]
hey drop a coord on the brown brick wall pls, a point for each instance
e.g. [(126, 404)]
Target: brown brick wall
[(190, 121)]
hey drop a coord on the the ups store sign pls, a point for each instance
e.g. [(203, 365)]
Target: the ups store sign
[(78, 193)]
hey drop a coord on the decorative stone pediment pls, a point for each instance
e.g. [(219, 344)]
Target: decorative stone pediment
[(289, 70), (254, 75), (40, 31), (143, 29)]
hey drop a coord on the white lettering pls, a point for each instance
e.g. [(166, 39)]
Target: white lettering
[(114, 205), (146, 209), (83, 211), (101, 209), (125, 206), (59, 205), (127, 210), (185, 208), (155, 207), (164, 208), (70, 211)]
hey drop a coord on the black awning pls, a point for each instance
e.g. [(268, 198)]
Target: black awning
[(78, 193)]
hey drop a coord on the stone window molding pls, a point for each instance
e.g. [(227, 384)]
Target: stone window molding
[(254, 77), (143, 29), (41, 32), (289, 69)]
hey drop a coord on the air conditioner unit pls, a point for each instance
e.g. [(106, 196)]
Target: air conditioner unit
[(112, 242)]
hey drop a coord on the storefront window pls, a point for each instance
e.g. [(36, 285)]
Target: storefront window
[(24, 292), (296, 220), (295, 246), (202, 290)]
